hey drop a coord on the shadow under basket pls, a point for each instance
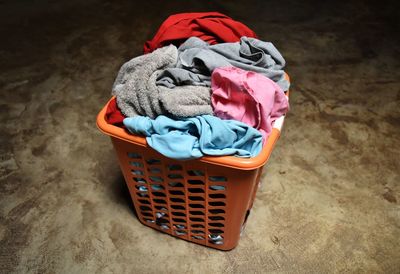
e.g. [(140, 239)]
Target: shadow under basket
[(205, 201)]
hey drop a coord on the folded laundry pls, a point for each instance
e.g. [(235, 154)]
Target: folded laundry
[(197, 136), (197, 60), (248, 97), (137, 93), (212, 27)]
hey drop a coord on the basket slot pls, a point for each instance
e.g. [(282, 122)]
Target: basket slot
[(176, 173), (157, 187), (162, 208), (152, 161), (179, 226), (197, 237), (195, 190), (217, 203), (159, 201), (147, 220), (215, 231), (179, 220), (196, 182), (134, 155), (147, 214), (139, 180), (196, 198), (145, 208), (217, 196), (195, 173), (155, 170), (217, 179), (176, 192), (142, 188), (142, 195), (164, 227), (136, 164), (217, 188), (199, 232), (197, 225), (197, 212), (164, 215), (177, 197), (196, 219), (174, 167), (195, 205), (216, 218), (175, 184), (216, 207), (159, 194), (175, 176), (145, 202), (178, 207), (162, 221), (180, 232), (176, 200), (156, 179), (216, 211), (178, 213), (137, 172), (216, 224)]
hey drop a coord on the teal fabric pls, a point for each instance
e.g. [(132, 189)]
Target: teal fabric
[(194, 137)]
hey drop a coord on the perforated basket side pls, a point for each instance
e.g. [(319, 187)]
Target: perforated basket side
[(192, 200)]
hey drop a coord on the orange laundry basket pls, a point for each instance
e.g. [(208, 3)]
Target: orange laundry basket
[(205, 201)]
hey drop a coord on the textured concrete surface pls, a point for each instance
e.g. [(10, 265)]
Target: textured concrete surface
[(330, 196)]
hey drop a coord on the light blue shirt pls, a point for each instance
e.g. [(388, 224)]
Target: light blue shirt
[(194, 137)]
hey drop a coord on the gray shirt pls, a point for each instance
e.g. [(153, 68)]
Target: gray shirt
[(197, 60)]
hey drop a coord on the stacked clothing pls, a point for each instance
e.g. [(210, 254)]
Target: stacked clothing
[(206, 85)]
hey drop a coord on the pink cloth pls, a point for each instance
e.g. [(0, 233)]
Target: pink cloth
[(248, 97)]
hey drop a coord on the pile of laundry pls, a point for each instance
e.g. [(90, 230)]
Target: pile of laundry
[(206, 85)]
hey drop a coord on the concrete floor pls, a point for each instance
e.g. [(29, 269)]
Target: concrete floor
[(331, 193)]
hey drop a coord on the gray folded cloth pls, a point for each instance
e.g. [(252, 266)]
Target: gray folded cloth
[(137, 93), (197, 60)]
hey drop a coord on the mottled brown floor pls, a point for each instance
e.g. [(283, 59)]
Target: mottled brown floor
[(330, 196)]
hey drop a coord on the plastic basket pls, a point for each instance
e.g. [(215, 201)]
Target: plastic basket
[(205, 201)]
